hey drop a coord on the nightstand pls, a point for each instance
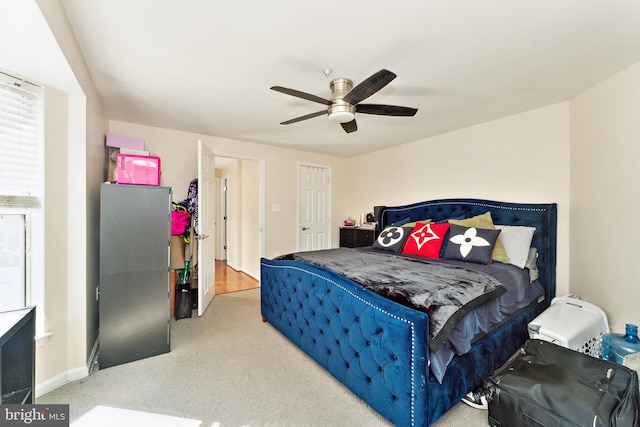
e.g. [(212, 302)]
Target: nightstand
[(354, 237)]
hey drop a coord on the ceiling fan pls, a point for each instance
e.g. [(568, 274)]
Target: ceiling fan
[(345, 101)]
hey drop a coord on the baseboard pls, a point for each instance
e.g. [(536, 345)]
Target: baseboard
[(60, 380), (240, 270), (69, 376)]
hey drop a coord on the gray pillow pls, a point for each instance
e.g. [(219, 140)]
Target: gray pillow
[(532, 265)]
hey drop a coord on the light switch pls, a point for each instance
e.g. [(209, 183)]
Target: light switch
[(275, 207)]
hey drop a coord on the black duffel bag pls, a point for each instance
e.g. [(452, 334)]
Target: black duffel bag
[(544, 384)]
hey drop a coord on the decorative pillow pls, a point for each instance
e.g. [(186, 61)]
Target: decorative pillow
[(446, 238), (532, 265), (392, 238), (471, 244), (517, 241), (484, 221), (425, 240)]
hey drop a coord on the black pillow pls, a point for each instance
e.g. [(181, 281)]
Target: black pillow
[(471, 244), (392, 238)]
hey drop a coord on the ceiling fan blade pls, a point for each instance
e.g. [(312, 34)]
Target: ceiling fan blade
[(308, 116), (385, 110), (369, 86), (350, 126), (302, 95)]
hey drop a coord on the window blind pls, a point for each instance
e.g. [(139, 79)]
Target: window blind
[(21, 168)]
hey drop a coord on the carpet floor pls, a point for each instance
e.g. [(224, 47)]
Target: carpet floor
[(228, 368)]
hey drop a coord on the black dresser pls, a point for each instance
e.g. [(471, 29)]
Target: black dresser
[(354, 237)]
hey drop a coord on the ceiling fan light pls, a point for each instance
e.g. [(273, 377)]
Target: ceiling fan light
[(342, 116)]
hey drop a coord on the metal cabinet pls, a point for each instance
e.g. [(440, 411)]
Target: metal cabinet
[(134, 289)]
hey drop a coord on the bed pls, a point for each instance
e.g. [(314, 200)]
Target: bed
[(385, 350)]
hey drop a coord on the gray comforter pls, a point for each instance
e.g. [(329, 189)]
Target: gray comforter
[(444, 291)]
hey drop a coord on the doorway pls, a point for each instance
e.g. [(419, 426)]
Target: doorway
[(240, 217), (229, 280)]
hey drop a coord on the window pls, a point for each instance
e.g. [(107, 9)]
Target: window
[(21, 194), (13, 266)]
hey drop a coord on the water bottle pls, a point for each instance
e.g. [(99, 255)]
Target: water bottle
[(185, 273), (616, 346)]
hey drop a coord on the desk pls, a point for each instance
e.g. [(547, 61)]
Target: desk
[(17, 356)]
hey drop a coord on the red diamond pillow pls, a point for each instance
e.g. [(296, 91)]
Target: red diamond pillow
[(426, 240)]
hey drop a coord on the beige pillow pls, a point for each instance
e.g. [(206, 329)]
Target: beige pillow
[(484, 221)]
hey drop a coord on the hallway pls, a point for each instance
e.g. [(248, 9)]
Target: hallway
[(229, 280)]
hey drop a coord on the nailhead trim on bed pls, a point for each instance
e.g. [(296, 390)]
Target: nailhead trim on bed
[(351, 328)]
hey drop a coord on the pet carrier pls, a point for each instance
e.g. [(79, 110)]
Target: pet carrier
[(572, 323)]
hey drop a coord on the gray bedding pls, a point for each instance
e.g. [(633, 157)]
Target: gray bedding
[(446, 291)]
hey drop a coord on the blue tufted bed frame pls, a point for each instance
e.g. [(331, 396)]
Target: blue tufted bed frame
[(378, 348)]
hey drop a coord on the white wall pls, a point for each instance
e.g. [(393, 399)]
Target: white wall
[(522, 158), (605, 173)]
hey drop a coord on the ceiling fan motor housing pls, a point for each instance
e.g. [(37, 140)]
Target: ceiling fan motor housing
[(341, 111)]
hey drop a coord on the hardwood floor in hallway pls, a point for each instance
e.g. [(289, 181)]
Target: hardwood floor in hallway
[(230, 280)]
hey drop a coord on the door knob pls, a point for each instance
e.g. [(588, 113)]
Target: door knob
[(305, 228), (202, 236)]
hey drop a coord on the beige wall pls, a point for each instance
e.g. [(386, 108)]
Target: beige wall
[(42, 49), (605, 172), (522, 158), (74, 328), (56, 232), (178, 151), (249, 218), (234, 223)]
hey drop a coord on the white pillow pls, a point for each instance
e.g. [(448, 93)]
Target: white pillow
[(517, 241)]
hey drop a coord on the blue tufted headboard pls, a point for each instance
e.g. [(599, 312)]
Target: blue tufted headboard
[(541, 216)]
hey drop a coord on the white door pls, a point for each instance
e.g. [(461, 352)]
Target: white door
[(206, 227), (314, 183)]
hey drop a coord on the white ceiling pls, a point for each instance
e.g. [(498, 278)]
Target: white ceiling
[(206, 66)]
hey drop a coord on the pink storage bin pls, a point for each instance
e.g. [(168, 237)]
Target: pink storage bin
[(140, 170), (120, 141)]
